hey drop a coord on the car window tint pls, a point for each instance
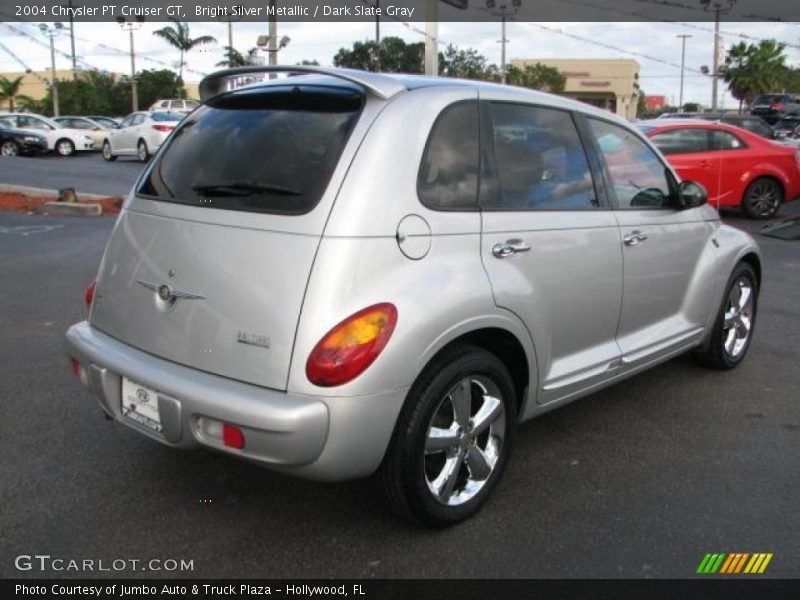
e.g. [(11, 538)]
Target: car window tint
[(638, 177), (724, 140), (448, 175), (539, 159), (259, 150), (79, 124), (32, 123), (682, 141), (165, 104)]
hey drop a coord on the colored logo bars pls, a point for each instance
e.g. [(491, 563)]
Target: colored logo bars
[(736, 562)]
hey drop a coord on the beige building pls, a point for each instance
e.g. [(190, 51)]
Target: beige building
[(611, 84)]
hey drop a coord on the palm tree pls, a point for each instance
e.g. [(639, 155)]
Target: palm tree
[(234, 58), (9, 89), (752, 69), (179, 37)]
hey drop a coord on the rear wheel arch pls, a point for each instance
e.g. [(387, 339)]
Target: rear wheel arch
[(754, 261), (503, 344)]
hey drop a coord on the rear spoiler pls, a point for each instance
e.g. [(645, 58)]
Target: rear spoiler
[(227, 80)]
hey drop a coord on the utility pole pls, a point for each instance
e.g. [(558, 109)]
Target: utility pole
[(432, 38), (683, 64), (377, 36), (130, 27), (53, 32), (718, 7), (504, 12), (72, 42)]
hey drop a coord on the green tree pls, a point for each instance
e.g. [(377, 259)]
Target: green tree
[(234, 58), (690, 107), (466, 64), (752, 69), (154, 85), (641, 103), (396, 56), (9, 90), (537, 77), (179, 37)]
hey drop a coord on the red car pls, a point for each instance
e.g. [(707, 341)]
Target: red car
[(737, 168)]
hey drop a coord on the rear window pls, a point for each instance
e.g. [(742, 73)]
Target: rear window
[(165, 116), (771, 98), (262, 150)]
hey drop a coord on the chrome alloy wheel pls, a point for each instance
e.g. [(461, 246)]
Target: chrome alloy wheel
[(9, 148), (738, 320), (107, 151), (65, 148), (464, 440), (764, 198)]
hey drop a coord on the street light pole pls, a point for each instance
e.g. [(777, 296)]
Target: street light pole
[(130, 27), (53, 32), (377, 36), (504, 12), (72, 42), (683, 63)]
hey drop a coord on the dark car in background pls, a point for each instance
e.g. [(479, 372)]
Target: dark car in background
[(788, 128), (751, 123), (773, 107), (15, 142)]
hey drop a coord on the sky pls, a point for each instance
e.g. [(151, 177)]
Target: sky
[(104, 46)]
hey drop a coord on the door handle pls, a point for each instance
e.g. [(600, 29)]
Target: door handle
[(509, 248), (634, 238)]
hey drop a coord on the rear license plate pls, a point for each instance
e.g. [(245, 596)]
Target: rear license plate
[(140, 404)]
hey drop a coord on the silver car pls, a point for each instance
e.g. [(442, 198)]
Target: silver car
[(338, 273)]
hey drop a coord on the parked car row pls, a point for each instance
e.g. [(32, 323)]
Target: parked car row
[(139, 134)]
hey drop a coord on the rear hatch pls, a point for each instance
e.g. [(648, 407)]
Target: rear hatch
[(208, 264)]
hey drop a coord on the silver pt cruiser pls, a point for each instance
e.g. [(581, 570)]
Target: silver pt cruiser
[(336, 274)]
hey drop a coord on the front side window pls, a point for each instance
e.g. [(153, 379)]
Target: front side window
[(448, 174), (539, 159), (33, 123), (638, 177), (682, 141), (266, 150)]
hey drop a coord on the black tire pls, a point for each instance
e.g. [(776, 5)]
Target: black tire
[(762, 198), (10, 148), (406, 468), (64, 147), (142, 152), (717, 353), (107, 152)]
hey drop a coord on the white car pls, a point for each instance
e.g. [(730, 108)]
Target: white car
[(184, 106), (140, 134), (64, 141), (88, 126)]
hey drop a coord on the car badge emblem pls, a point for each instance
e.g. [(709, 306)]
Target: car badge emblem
[(167, 293)]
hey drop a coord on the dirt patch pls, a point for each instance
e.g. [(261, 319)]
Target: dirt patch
[(23, 203)]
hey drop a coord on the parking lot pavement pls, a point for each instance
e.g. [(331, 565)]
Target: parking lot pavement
[(639, 480), (87, 173)]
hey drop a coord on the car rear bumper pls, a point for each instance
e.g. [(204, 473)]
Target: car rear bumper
[(314, 437)]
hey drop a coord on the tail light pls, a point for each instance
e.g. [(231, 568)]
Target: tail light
[(88, 295), (353, 345), (778, 105), (163, 128)]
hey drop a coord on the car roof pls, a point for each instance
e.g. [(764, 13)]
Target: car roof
[(388, 85)]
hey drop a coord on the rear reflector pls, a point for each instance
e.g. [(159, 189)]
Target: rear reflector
[(163, 128), (76, 367), (232, 436), (88, 295)]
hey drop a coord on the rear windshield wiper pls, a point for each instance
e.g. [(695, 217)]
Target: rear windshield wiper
[(243, 188)]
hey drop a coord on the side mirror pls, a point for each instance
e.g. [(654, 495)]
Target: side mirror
[(691, 195)]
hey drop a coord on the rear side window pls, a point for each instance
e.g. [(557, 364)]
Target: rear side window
[(448, 175), (682, 141), (539, 159), (263, 150), (638, 177), (723, 140)]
